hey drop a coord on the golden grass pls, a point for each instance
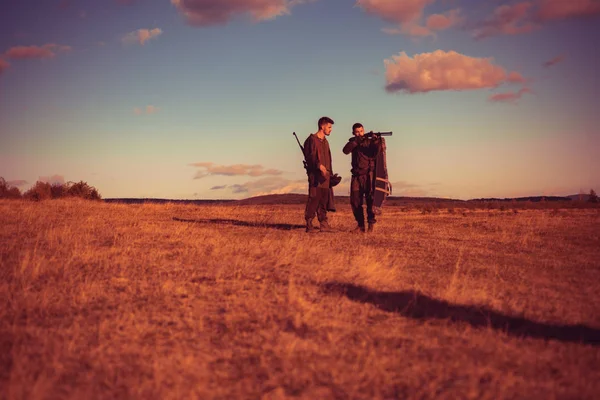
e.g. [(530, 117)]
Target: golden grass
[(157, 301)]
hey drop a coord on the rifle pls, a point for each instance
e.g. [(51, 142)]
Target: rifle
[(372, 134), (303, 156)]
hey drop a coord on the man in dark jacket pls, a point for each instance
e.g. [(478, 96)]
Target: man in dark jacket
[(318, 159), (364, 153)]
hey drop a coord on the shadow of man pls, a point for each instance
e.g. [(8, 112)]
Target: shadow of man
[(220, 221), (416, 305)]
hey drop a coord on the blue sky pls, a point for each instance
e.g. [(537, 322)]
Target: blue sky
[(199, 98)]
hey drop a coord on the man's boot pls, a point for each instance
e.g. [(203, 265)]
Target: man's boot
[(359, 229), (370, 227), (309, 226), (325, 227)]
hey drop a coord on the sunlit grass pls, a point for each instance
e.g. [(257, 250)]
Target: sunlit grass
[(179, 301)]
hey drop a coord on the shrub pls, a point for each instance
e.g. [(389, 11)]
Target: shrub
[(83, 190), (44, 191), (57, 190), (39, 191), (7, 191)]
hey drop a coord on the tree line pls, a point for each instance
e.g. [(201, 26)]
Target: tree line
[(45, 191)]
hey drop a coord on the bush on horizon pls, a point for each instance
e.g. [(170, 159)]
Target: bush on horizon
[(45, 191)]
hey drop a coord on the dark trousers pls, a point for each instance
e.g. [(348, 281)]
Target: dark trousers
[(362, 187), (317, 203)]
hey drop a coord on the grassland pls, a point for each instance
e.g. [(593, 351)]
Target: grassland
[(168, 301)]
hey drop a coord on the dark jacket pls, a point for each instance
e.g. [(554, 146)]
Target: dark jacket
[(317, 152), (364, 153)]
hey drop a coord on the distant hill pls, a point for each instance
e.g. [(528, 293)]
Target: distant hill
[(272, 199), (163, 201), (422, 199), (579, 197), (529, 198), (296, 198)]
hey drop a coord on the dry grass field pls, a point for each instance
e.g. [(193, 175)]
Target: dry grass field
[(172, 301)]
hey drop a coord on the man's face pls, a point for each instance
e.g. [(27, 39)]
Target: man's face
[(360, 131), (326, 129)]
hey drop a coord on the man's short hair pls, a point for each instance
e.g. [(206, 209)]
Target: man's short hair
[(356, 126), (324, 120)]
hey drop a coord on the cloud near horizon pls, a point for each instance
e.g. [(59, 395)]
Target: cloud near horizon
[(441, 70), (264, 186), (211, 169), (53, 179), (150, 109), (141, 36), (406, 189), (48, 50), (278, 185), (219, 12), (17, 182)]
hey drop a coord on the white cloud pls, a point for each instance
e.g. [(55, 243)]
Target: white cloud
[(141, 36)]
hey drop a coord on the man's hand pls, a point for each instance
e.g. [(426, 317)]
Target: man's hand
[(323, 170)]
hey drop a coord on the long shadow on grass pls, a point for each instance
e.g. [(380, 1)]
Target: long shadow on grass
[(220, 221), (419, 306)]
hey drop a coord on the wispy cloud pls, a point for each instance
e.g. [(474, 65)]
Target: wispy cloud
[(508, 20), (526, 16), (209, 168), (3, 65), (550, 10), (408, 189), (442, 70), (408, 18), (36, 52), (438, 22), (218, 12), (509, 97), (554, 61), (17, 183), (394, 11), (149, 109), (263, 186), (141, 36)]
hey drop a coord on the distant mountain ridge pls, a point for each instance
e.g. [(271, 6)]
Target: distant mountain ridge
[(134, 200), (296, 198), (529, 198)]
